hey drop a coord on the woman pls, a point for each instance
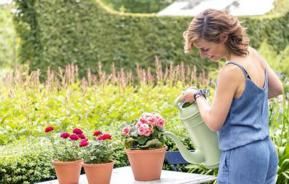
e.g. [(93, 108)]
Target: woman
[(239, 111)]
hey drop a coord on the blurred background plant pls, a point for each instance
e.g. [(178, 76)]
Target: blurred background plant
[(8, 39), (138, 6)]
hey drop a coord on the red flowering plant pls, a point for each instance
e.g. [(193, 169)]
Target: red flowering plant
[(145, 133), (98, 150), (66, 146)]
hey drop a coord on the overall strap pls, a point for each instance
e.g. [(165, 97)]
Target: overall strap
[(241, 67)]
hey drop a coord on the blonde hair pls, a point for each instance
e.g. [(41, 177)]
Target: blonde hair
[(211, 25)]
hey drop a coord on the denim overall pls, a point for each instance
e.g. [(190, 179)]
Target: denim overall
[(247, 153)]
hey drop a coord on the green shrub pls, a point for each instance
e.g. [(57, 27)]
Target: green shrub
[(138, 6), (29, 166), (57, 33), (8, 40), (94, 107)]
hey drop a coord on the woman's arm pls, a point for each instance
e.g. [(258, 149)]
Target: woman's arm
[(275, 85), (214, 115)]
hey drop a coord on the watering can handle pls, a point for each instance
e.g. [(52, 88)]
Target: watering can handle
[(179, 103)]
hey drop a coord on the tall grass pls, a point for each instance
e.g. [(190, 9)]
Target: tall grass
[(169, 75)]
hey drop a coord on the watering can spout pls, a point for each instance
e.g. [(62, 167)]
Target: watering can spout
[(195, 157)]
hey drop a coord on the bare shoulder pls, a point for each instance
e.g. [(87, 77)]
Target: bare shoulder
[(229, 80), (230, 73)]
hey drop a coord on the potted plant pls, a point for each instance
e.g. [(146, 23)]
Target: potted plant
[(66, 154), (145, 147), (97, 157)]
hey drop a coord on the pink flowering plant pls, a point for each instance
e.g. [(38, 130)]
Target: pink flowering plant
[(99, 149), (145, 133), (66, 146)]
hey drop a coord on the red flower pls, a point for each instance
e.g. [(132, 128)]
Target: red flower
[(49, 129), (77, 131), (64, 135), (73, 137), (97, 133), (104, 137), (83, 143), (81, 136)]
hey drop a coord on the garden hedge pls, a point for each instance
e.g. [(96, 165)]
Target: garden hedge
[(59, 32), (138, 6), (8, 41), (30, 167)]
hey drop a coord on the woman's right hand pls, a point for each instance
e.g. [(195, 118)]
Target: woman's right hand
[(188, 95)]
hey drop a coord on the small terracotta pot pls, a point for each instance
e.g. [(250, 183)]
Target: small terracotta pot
[(98, 173), (67, 172), (146, 164)]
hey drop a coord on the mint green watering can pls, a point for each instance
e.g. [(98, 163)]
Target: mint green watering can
[(204, 140)]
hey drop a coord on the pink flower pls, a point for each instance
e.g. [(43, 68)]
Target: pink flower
[(160, 122), (144, 129), (143, 120), (73, 137), (83, 143), (126, 131), (97, 133), (140, 123), (104, 137), (77, 131), (147, 128), (152, 120), (64, 135), (49, 129)]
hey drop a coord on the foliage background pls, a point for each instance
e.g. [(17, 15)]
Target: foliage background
[(138, 6), (8, 39), (84, 33)]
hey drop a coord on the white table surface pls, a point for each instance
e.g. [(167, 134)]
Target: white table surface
[(124, 175)]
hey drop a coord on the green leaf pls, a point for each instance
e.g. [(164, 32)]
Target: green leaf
[(154, 143)]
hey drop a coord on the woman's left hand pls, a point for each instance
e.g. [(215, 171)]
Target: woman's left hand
[(188, 95)]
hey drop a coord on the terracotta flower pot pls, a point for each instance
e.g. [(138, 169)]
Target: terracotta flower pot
[(146, 164), (67, 172), (98, 173)]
